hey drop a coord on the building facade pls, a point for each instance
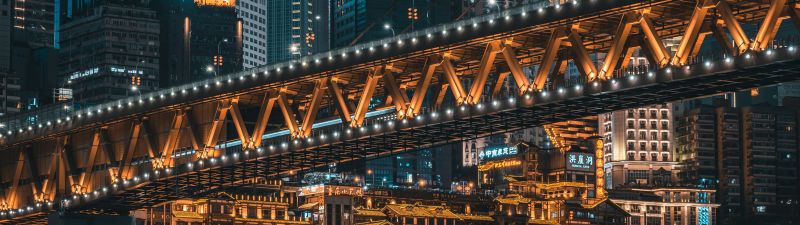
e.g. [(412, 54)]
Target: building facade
[(254, 32), (358, 21), (200, 39), (290, 33), (667, 206), (111, 53), (749, 155), (638, 145)]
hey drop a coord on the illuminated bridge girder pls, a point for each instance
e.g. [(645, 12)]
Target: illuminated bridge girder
[(126, 159)]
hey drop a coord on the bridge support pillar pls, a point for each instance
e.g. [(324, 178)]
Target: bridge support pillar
[(88, 219)]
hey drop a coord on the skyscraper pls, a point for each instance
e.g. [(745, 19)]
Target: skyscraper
[(290, 34), (111, 52), (638, 145), (200, 39), (254, 31), (356, 21), (749, 154), (36, 19)]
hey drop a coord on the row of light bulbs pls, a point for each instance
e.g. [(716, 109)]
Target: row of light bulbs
[(277, 68)]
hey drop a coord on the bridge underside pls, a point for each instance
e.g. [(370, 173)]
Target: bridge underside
[(461, 126)]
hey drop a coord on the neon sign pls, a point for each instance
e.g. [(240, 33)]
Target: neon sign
[(84, 73), (580, 161), (499, 165), (497, 153)]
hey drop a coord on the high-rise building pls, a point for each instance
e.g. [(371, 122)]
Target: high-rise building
[(111, 52), (667, 206), (199, 39), (36, 19), (9, 88), (254, 31), (357, 21), (5, 36), (290, 34), (749, 154), (638, 145), (434, 167)]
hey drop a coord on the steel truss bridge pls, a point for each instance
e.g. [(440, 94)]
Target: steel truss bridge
[(472, 78)]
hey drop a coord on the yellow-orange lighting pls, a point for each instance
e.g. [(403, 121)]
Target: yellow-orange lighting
[(228, 3)]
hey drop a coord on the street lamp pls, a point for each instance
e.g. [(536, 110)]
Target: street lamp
[(494, 3), (388, 27)]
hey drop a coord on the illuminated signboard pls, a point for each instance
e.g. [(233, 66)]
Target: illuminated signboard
[(223, 3), (499, 165), (331, 190), (84, 73), (493, 153), (580, 161)]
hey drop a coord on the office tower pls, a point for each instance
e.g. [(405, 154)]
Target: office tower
[(433, 167), (358, 21), (36, 20), (638, 145), (110, 53), (9, 88), (668, 205), (200, 39), (749, 154), (254, 31), (5, 36), (289, 29)]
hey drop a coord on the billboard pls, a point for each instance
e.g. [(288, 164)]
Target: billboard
[(496, 153), (580, 161)]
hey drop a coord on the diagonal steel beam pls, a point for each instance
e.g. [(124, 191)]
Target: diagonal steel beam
[(238, 123), (422, 85), (550, 52), (620, 38), (341, 102), (265, 110), (770, 24), (692, 33), (453, 81), (366, 96), (485, 66), (313, 107), (740, 40), (523, 84)]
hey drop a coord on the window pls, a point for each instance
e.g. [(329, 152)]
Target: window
[(652, 114), (631, 135), (664, 125), (630, 156), (642, 135), (653, 156), (642, 147), (653, 136), (630, 113), (664, 157), (664, 136), (653, 148), (642, 156), (653, 125), (663, 114), (641, 113), (664, 147), (641, 124), (630, 146), (630, 124)]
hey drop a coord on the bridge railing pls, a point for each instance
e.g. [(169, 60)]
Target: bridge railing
[(27, 121)]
